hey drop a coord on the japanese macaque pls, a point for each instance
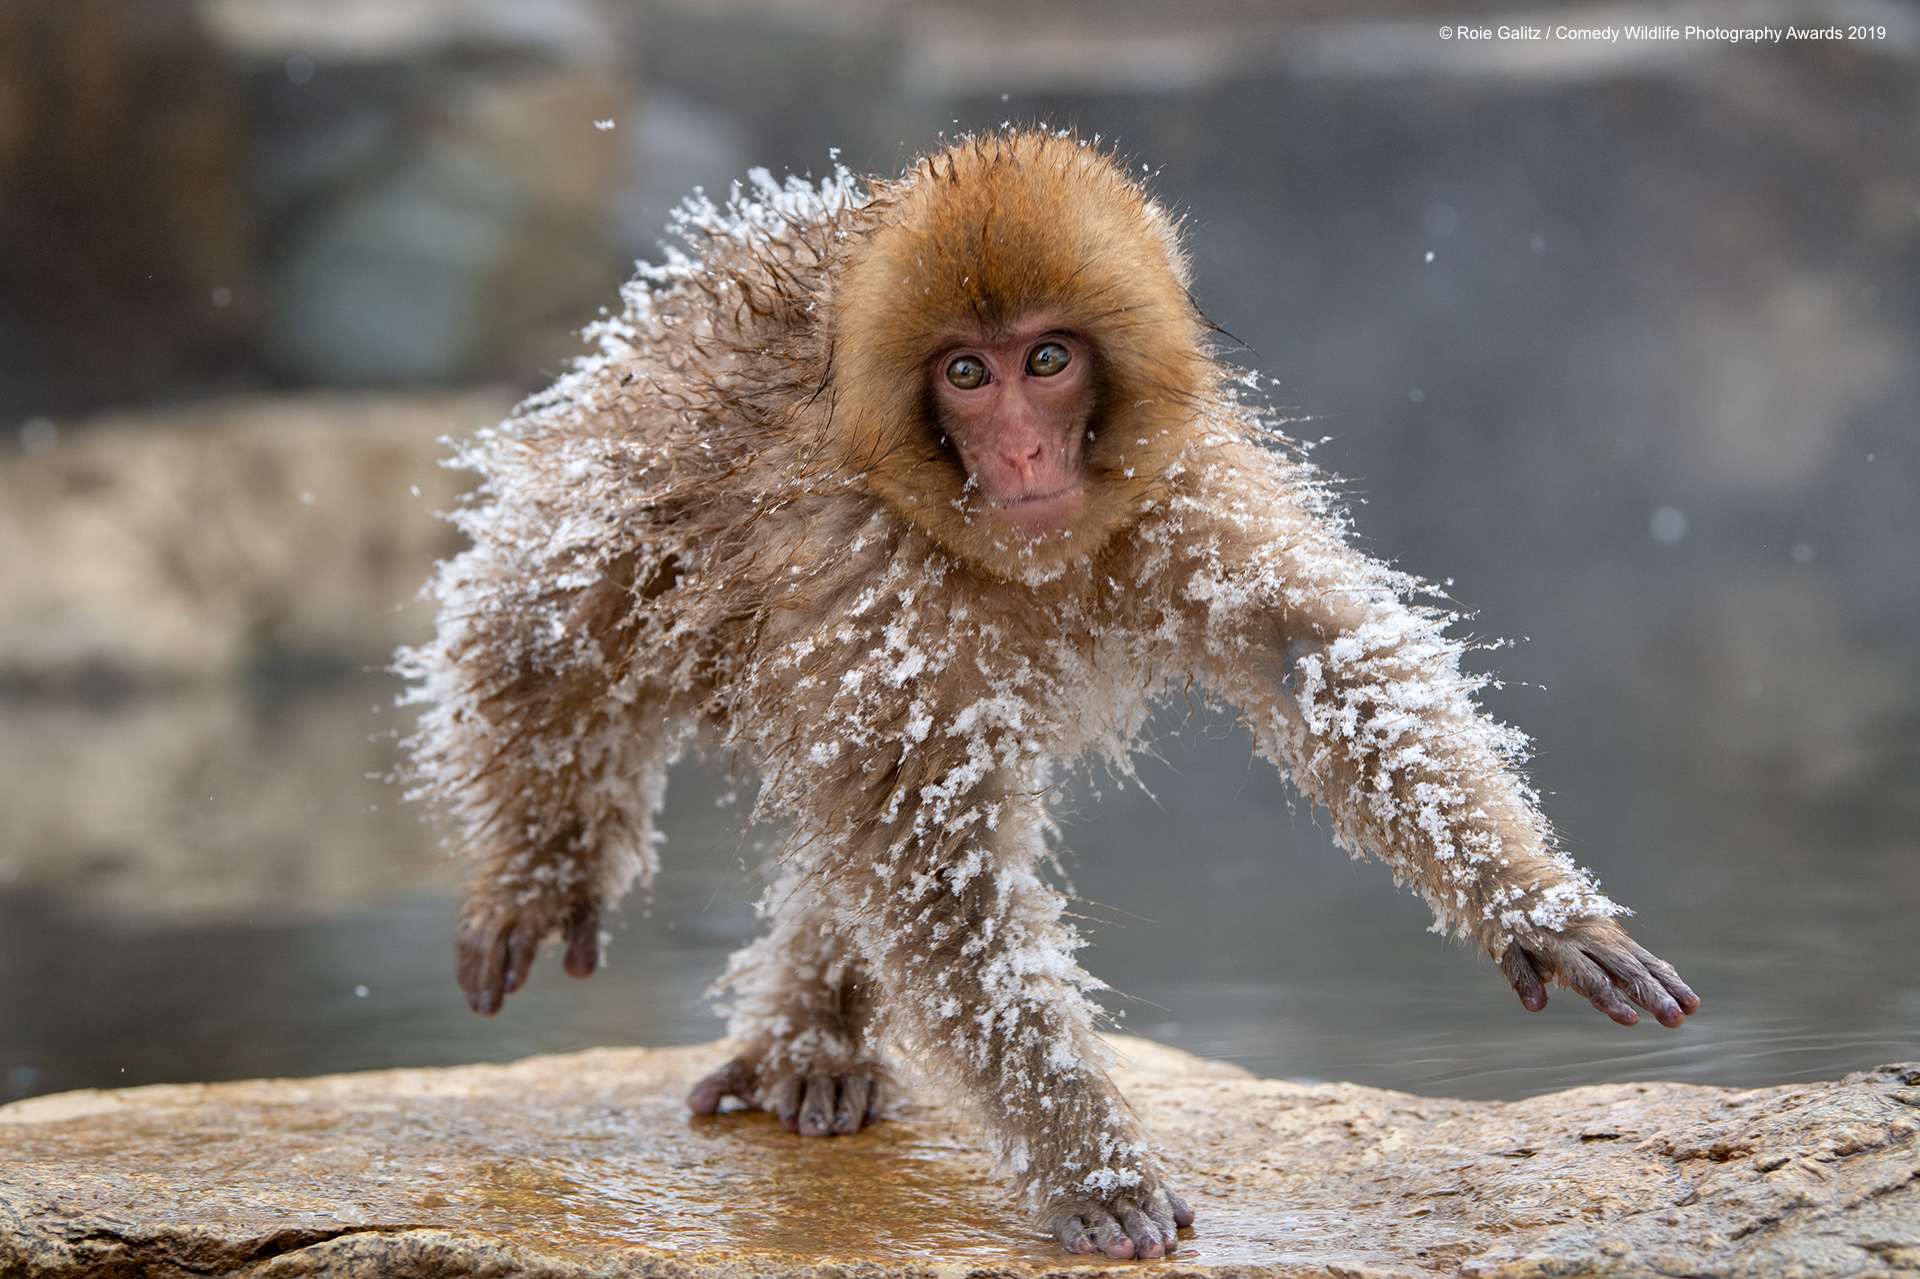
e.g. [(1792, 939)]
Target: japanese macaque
[(911, 494)]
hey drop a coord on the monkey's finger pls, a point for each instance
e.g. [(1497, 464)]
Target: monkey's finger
[(1639, 985), (523, 943), (784, 1101), (876, 1099), (1582, 976), (582, 932), (1182, 1214), (852, 1110), (480, 961), (1160, 1213), (1667, 976), (816, 1109), (1517, 966), (1108, 1235), (1147, 1242), (1071, 1232)]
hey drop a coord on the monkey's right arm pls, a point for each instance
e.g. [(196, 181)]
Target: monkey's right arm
[(552, 715), (1361, 698)]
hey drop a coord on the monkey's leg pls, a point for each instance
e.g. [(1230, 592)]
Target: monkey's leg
[(803, 1014), (976, 973)]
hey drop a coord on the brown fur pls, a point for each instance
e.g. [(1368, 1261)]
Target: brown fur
[(738, 524)]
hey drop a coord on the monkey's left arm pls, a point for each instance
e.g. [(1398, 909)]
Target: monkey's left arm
[(1360, 698)]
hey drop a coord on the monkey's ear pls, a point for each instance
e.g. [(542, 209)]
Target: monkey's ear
[(997, 229)]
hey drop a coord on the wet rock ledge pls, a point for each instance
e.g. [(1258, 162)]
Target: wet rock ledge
[(586, 1165)]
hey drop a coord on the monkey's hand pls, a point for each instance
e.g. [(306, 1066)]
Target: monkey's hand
[(1595, 957), (811, 1103), (1135, 1223), (495, 945)]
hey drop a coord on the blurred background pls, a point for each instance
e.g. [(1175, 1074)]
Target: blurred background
[(1619, 340)]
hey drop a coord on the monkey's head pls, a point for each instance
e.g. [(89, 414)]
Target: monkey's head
[(1016, 360)]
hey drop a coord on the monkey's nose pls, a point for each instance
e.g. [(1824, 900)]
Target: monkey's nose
[(1022, 458)]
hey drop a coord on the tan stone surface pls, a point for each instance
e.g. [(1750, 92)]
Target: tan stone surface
[(587, 1165), (168, 545)]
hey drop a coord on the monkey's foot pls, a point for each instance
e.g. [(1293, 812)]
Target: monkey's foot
[(1125, 1226), (817, 1104), (1596, 958)]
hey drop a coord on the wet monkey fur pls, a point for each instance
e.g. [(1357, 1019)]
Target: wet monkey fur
[(910, 494)]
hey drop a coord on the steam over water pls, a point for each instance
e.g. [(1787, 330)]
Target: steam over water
[(239, 940)]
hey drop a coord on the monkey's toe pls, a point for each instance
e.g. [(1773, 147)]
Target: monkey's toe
[(859, 1104), (826, 1105), (735, 1079)]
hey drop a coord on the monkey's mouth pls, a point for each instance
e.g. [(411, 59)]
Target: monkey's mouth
[(1039, 513), (1004, 503)]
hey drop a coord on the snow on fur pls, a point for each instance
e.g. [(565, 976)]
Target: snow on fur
[(673, 546)]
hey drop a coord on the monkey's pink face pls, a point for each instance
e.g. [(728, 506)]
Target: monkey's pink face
[(1016, 404)]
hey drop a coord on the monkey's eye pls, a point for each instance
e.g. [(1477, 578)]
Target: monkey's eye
[(967, 372), (1048, 359)]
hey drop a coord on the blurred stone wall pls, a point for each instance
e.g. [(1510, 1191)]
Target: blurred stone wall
[(196, 606), (432, 182), (159, 548), (199, 198)]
